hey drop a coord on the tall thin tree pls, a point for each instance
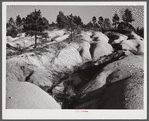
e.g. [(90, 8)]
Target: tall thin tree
[(115, 20), (127, 17), (35, 24)]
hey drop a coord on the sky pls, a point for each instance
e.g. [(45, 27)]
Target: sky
[(85, 12)]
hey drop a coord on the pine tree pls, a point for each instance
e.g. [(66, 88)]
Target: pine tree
[(77, 20), (107, 23), (11, 28), (11, 21), (115, 20), (94, 20), (35, 24), (61, 20), (101, 22), (127, 17), (89, 25), (71, 24), (18, 21)]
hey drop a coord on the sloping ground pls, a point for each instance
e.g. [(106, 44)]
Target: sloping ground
[(118, 85), (23, 44), (99, 36), (20, 44), (134, 44), (115, 36), (82, 43), (24, 95), (72, 75), (33, 67), (55, 33), (68, 58), (100, 47), (68, 88)]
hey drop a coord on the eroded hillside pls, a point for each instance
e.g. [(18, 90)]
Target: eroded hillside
[(94, 70)]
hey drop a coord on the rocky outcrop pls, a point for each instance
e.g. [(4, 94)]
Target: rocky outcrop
[(68, 88), (61, 38), (85, 52), (135, 45), (99, 49), (68, 58), (87, 36), (24, 95), (99, 36), (85, 73), (82, 43), (100, 46), (28, 67), (118, 85), (120, 39), (55, 33), (115, 37)]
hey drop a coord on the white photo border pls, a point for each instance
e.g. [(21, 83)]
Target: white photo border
[(71, 114)]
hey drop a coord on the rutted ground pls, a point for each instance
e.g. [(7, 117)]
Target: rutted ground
[(92, 71)]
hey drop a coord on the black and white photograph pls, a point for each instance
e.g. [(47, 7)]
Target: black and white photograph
[(74, 60)]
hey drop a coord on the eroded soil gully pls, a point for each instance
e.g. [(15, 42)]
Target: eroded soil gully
[(66, 93)]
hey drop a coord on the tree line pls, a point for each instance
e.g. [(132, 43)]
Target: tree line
[(34, 24)]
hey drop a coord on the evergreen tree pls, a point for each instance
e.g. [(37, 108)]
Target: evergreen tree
[(89, 25), (101, 22), (61, 20), (35, 24), (94, 20), (71, 24), (18, 21), (127, 17), (77, 20), (23, 20), (107, 23), (11, 28), (11, 21), (115, 20)]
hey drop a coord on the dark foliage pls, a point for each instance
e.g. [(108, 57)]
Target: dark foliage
[(94, 20), (127, 17), (12, 31), (35, 24), (18, 21), (115, 20), (140, 31), (124, 25), (61, 20), (101, 22), (68, 21), (107, 23), (11, 28)]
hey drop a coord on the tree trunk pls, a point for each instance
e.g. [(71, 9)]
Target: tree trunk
[(35, 40), (71, 35), (71, 27)]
